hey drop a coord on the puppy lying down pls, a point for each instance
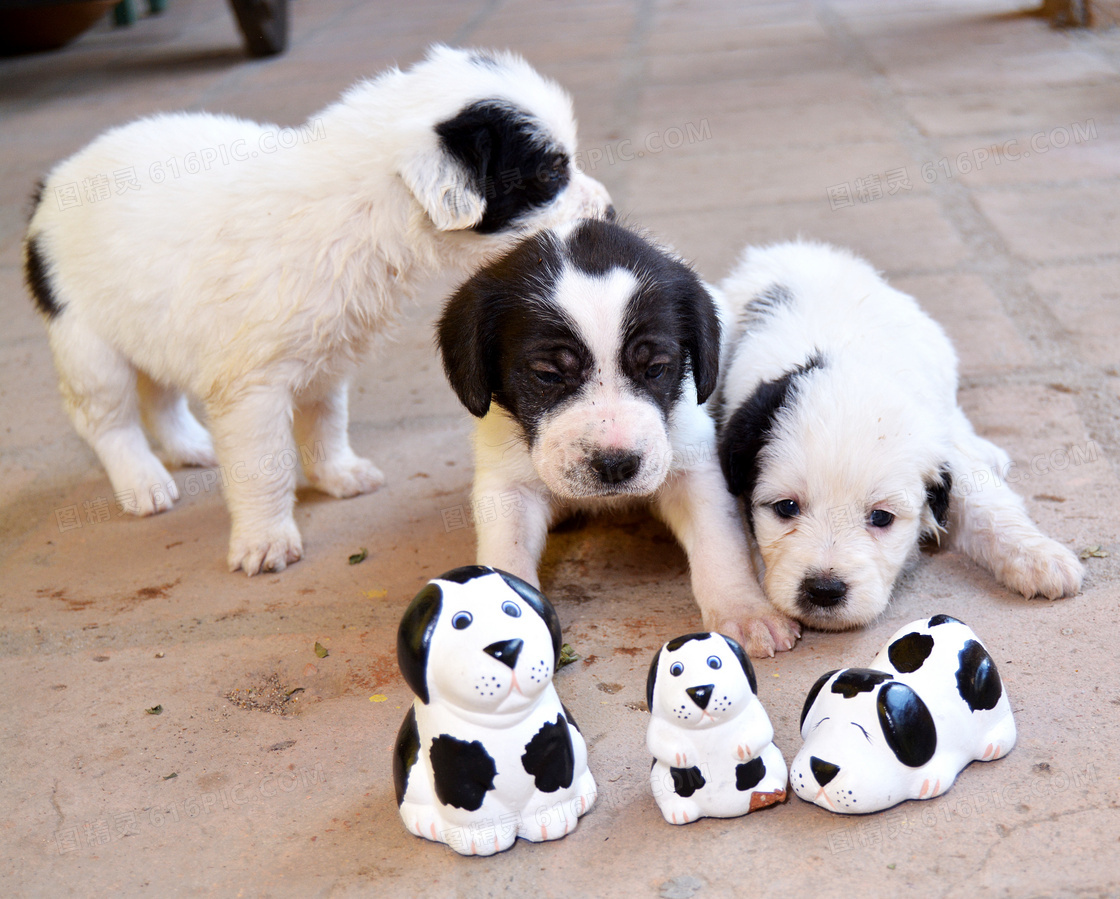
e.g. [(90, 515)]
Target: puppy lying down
[(251, 266), (842, 435), (586, 354)]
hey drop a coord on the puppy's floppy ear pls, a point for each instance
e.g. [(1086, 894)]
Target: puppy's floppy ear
[(651, 679), (697, 312), (935, 514), (447, 191), (539, 603), (465, 334), (414, 637), (748, 668)]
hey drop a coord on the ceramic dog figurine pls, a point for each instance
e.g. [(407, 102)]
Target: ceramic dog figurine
[(710, 736), (931, 703), (487, 752)]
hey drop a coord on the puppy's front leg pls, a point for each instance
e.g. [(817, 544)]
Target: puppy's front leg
[(512, 522), (321, 430), (697, 507), (252, 433), (989, 522)]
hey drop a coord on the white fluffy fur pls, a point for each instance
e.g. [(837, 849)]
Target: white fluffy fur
[(865, 431), (256, 286), (679, 475)]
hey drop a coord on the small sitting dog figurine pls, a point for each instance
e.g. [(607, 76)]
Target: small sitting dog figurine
[(487, 753), (711, 738), (931, 703)]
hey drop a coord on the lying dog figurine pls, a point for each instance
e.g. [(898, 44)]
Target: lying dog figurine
[(586, 353), (487, 752), (251, 266), (711, 739), (842, 435), (931, 702)]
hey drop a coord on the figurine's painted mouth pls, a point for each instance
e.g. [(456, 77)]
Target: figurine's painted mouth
[(514, 685), (821, 792)]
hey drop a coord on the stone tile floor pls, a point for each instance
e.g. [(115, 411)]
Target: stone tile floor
[(967, 149)]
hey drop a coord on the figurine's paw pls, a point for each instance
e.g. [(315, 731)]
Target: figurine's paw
[(678, 810), (345, 478), (743, 752), (270, 550), (1042, 567), (762, 635)]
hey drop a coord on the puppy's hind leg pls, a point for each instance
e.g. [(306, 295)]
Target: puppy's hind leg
[(98, 386), (321, 431), (988, 521), (168, 418), (252, 428)]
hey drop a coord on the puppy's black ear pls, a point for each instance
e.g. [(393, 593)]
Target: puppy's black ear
[(938, 494), (651, 679), (465, 335), (539, 603), (414, 636), (907, 724), (814, 691), (746, 434), (748, 668), (697, 312)]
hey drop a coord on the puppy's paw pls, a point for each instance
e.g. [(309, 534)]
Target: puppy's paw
[(1043, 568), (762, 635), (271, 550), (197, 455), (148, 494), (347, 478)]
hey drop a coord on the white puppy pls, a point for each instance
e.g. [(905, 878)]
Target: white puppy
[(250, 266), (586, 353), (841, 433)]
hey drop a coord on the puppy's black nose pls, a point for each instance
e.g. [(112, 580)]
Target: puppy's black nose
[(701, 695), (823, 771), (615, 468), (824, 591), (505, 651)]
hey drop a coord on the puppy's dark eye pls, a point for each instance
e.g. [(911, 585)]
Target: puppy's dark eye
[(881, 518), (714, 662), (512, 609), (462, 620), (548, 377), (655, 371), (786, 508), (676, 669)]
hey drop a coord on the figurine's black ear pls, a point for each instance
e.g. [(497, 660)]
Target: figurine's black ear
[(907, 724), (651, 679), (812, 697), (744, 660), (414, 636), (540, 604), (938, 493)]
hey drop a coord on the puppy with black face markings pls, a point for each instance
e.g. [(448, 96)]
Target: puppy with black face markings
[(842, 435), (587, 353)]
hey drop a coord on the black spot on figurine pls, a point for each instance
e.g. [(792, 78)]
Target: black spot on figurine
[(687, 781), (907, 724), (405, 754), (464, 772), (549, 756), (908, 653), (858, 680), (978, 679), (943, 619), (749, 774), (813, 691)]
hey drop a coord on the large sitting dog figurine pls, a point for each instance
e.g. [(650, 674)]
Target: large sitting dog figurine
[(487, 752), (711, 738), (931, 703)]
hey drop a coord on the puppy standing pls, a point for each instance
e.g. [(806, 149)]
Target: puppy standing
[(586, 353), (251, 268), (843, 436)]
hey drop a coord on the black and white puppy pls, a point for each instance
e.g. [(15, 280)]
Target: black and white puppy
[(251, 266), (842, 435), (587, 353)]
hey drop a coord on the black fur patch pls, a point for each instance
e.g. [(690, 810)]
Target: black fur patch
[(38, 281), (550, 756), (511, 160), (814, 691), (751, 427), (907, 724), (978, 679), (749, 774), (414, 635), (938, 494), (464, 772), (405, 753), (687, 781), (909, 652), (858, 680)]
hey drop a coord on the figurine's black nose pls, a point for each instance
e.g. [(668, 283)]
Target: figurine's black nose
[(824, 591), (615, 468), (823, 771), (701, 695), (505, 651)]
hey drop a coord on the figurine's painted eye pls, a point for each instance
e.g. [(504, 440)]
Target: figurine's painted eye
[(676, 669), (714, 662), (461, 620), (512, 609)]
